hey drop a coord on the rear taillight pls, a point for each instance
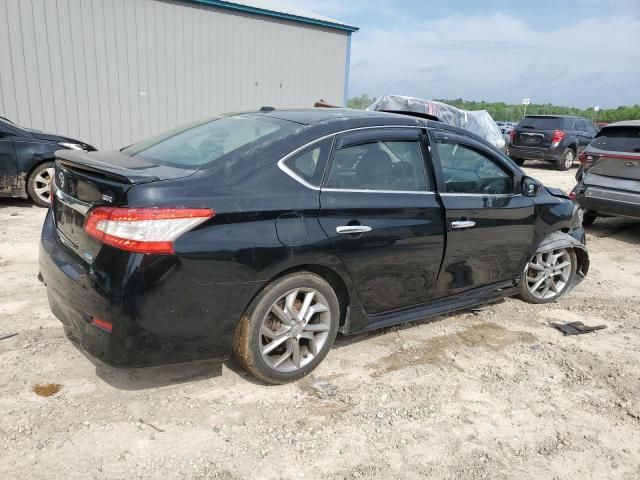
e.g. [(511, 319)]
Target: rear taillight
[(143, 230), (587, 157), (558, 135), (512, 135)]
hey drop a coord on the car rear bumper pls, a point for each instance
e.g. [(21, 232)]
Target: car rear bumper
[(159, 314), (549, 154), (608, 201)]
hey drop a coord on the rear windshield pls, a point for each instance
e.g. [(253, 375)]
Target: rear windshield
[(541, 123), (206, 141), (618, 139)]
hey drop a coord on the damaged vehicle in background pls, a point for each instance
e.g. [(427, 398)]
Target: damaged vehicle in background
[(609, 173), (268, 233), (26, 161)]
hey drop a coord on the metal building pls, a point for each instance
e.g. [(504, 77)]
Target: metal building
[(110, 72)]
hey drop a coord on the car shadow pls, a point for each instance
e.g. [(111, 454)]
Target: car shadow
[(17, 202), (622, 228)]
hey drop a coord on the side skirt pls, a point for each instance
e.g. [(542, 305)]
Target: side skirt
[(441, 306)]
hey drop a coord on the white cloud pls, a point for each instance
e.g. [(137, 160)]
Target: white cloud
[(500, 57)]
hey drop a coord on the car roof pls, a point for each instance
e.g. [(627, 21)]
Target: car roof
[(552, 116), (311, 116), (625, 123)]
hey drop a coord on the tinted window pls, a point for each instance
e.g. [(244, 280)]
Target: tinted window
[(468, 171), (581, 125), (389, 165), (618, 139), (541, 123), (203, 142), (309, 164)]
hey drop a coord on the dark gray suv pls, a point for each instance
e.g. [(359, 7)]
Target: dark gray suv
[(552, 138)]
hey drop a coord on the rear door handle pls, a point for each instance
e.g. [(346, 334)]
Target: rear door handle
[(460, 224), (353, 229)]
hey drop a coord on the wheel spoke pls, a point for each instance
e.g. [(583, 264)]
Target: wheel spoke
[(316, 327), (316, 308), (535, 266), (295, 354), (553, 285), (545, 290), (283, 358), (561, 266), (41, 190), (267, 332), (308, 298), (275, 343), (281, 314), (537, 284), (290, 302), (313, 347)]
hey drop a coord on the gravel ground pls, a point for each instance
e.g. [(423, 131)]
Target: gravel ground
[(490, 394)]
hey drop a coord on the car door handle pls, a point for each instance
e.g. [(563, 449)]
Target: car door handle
[(460, 224), (353, 229)]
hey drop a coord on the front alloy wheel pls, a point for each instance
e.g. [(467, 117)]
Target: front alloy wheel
[(288, 329), (548, 275)]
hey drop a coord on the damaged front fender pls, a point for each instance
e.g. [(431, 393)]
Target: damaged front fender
[(564, 240)]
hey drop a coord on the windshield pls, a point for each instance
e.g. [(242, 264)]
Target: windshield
[(618, 139), (540, 123), (206, 141)]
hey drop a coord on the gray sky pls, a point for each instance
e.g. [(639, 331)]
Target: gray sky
[(577, 53)]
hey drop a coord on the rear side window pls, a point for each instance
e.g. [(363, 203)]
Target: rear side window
[(309, 164), (206, 141), (541, 123), (380, 165), (466, 170), (618, 139)]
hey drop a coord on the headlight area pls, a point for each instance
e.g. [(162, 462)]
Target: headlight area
[(71, 146)]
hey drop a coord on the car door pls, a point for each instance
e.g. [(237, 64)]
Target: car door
[(8, 163), (378, 207), (490, 225)]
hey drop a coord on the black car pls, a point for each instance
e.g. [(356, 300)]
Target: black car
[(609, 175), (26, 160), (552, 138), (269, 232)]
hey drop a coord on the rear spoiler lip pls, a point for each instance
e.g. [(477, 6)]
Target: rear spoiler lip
[(86, 161)]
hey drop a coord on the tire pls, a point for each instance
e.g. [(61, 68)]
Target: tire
[(289, 294), (567, 159), (519, 161), (588, 218), (536, 271), (39, 184)]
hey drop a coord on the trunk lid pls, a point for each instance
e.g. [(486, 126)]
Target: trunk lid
[(84, 180), (536, 131)]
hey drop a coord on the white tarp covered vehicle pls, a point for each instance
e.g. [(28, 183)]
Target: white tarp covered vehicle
[(476, 121)]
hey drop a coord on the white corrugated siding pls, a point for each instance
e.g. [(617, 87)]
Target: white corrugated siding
[(111, 72)]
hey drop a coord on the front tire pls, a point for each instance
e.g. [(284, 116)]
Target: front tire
[(567, 159), (288, 329), (39, 184), (548, 276)]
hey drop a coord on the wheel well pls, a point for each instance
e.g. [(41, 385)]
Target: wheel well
[(574, 148), (330, 276), (30, 171)]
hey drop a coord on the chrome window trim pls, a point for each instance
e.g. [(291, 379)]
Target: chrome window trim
[(501, 195), (71, 202), (354, 190), (302, 181)]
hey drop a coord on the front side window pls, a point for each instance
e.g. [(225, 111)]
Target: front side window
[(379, 165), (466, 170)]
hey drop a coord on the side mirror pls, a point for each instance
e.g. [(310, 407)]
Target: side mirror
[(529, 186)]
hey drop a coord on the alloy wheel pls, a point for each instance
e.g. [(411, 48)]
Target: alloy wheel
[(295, 329), (547, 274), (569, 157), (42, 184)]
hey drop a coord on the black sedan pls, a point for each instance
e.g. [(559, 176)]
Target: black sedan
[(26, 161), (268, 233)]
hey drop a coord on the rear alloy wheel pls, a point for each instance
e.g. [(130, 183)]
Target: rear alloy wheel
[(548, 275), (566, 161), (288, 329), (39, 184)]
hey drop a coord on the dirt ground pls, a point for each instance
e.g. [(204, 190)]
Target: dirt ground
[(491, 394)]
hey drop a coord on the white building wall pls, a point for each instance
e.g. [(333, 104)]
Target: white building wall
[(111, 72)]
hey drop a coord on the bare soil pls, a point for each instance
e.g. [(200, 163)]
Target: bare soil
[(495, 393)]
